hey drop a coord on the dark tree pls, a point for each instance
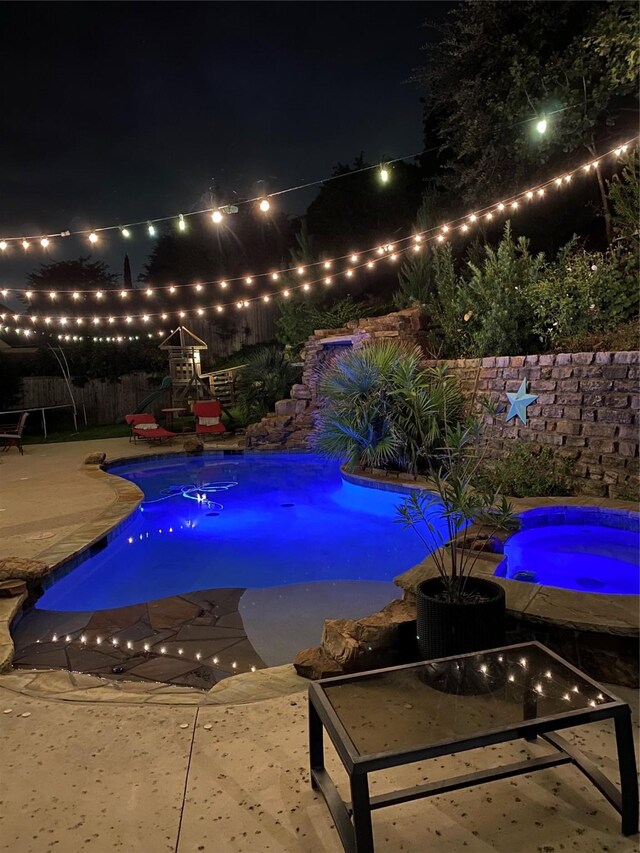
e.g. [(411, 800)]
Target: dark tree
[(357, 210), (83, 274), (500, 67)]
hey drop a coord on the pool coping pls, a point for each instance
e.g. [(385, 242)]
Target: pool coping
[(585, 611)]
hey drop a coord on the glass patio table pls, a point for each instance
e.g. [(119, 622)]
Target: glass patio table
[(404, 714)]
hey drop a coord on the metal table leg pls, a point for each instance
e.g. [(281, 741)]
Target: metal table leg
[(627, 764), (361, 813), (316, 744)]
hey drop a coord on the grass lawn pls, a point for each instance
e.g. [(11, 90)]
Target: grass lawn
[(84, 434), (89, 433)]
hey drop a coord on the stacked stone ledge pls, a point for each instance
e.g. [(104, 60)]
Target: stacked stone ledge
[(290, 426)]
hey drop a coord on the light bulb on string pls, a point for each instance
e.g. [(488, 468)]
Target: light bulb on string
[(93, 237), (151, 229), (223, 284), (285, 293), (264, 205), (248, 280), (216, 216), (541, 126), (3, 245), (148, 292), (274, 276), (327, 265), (125, 232), (99, 294), (181, 223), (44, 242), (172, 289), (354, 259), (300, 270), (384, 174), (25, 245)]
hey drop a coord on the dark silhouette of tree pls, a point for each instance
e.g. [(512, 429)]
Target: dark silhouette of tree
[(83, 274), (500, 67), (127, 273), (357, 210)]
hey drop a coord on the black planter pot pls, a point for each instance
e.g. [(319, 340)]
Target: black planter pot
[(446, 629)]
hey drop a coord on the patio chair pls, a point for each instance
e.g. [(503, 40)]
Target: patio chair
[(208, 418), (144, 426), (11, 435)]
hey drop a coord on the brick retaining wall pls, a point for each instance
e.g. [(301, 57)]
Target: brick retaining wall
[(586, 411)]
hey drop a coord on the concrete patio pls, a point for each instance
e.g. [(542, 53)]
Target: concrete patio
[(99, 767), (82, 776)]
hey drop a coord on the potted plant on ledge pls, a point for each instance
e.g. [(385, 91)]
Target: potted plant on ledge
[(457, 612)]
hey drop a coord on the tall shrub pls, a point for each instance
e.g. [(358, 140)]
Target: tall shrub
[(494, 301)]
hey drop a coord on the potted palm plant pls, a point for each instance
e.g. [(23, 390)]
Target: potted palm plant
[(457, 612)]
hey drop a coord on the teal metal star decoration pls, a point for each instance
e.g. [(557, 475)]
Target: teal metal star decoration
[(519, 402)]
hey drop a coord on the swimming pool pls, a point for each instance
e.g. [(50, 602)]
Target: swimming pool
[(586, 549), (240, 521)]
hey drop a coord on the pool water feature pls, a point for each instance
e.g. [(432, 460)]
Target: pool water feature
[(240, 521), (578, 548)]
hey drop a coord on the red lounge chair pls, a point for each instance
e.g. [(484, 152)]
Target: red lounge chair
[(208, 418), (145, 427)]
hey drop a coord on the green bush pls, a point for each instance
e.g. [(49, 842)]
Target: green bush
[(267, 377), (494, 302), (382, 407), (525, 470), (583, 294), (298, 320)]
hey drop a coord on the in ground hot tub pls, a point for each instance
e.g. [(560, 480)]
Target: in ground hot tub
[(587, 549)]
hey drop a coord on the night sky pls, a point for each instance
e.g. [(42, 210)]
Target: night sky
[(114, 112)]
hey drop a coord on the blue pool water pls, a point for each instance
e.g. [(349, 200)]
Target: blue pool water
[(241, 521), (584, 557)]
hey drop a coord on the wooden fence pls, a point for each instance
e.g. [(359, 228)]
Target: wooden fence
[(105, 402)]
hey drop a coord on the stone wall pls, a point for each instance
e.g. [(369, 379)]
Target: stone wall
[(289, 427), (586, 411)]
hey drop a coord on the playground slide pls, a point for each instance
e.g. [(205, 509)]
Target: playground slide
[(166, 384)]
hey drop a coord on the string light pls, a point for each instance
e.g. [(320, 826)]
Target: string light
[(3, 245), (151, 229), (384, 174), (217, 216), (25, 245), (93, 237), (181, 223), (264, 205), (125, 232), (460, 225)]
